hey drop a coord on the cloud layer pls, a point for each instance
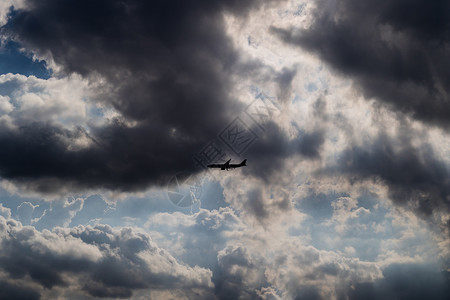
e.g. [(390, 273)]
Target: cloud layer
[(342, 198), (396, 51), (100, 260), (165, 67)]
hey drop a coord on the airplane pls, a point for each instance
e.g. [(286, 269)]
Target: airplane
[(227, 165)]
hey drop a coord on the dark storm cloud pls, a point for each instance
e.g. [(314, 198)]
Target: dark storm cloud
[(168, 66), (397, 51), (15, 291), (122, 158)]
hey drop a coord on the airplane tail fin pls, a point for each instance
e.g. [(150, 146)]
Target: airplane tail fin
[(244, 162)]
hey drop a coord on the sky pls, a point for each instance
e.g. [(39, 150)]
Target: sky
[(110, 111)]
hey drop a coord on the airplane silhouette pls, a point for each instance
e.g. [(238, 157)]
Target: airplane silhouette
[(227, 165)]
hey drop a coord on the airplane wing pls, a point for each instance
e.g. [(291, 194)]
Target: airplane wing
[(227, 164)]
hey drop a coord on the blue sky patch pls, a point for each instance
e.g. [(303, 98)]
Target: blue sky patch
[(12, 60)]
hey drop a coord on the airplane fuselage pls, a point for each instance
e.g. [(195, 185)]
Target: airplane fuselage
[(227, 165)]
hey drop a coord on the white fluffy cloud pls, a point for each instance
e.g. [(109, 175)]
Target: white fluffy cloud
[(4, 211), (29, 99), (5, 6)]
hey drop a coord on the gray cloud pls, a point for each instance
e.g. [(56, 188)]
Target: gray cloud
[(411, 281), (103, 261), (416, 178), (167, 67), (394, 50), (305, 273), (273, 147), (237, 274), (284, 80)]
